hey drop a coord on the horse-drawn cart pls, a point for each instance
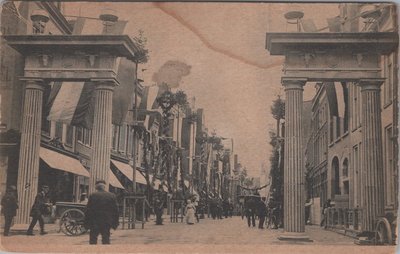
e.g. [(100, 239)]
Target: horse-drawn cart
[(72, 217)]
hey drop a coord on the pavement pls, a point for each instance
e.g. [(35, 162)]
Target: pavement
[(231, 235)]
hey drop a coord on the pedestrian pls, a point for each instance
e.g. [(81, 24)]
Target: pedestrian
[(219, 209), (40, 207), (213, 208), (196, 209), (158, 210), (325, 208), (9, 206), (262, 212), (189, 212), (250, 212), (101, 214)]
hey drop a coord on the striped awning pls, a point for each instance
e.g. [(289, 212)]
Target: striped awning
[(127, 170), (113, 180), (62, 162)]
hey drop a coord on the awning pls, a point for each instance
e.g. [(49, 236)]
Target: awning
[(124, 168), (127, 170), (114, 182), (165, 188), (140, 178), (62, 162)]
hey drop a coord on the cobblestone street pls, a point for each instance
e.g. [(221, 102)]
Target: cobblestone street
[(227, 235)]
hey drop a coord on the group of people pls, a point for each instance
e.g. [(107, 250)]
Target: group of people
[(101, 212), (40, 207), (220, 208), (257, 207)]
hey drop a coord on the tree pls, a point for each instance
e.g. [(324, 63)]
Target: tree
[(142, 55), (278, 112)]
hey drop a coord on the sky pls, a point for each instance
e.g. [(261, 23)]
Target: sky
[(231, 74)]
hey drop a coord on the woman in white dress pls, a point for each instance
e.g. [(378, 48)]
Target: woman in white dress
[(190, 212)]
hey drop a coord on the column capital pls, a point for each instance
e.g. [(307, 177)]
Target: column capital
[(370, 84), (293, 83), (34, 84), (105, 84)]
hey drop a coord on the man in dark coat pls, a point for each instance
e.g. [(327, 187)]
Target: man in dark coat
[(262, 212), (9, 205), (101, 214), (158, 210), (39, 208)]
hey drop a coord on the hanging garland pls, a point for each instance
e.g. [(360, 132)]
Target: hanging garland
[(254, 189)]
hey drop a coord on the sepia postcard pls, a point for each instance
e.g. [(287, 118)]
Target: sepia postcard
[(199, 127)]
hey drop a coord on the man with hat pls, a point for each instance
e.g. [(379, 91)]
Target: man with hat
[(40, 207), (101, 213), (9, 205)]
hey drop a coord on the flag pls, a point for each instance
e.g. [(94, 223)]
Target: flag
[(73, 102)]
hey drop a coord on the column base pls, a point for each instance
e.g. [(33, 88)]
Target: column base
[(295, 237)]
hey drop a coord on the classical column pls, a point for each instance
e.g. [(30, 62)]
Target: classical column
[(372, 168), (101, 133), (294, 177), (28, 172)]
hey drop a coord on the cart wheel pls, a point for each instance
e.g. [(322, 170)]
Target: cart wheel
[(71, 222), (383, 232)]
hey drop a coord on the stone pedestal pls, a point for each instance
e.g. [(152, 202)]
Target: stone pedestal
[(372, 169), (28, 172), (294, 178), (101, 133)]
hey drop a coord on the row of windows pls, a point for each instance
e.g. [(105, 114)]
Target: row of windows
[(58, 130)]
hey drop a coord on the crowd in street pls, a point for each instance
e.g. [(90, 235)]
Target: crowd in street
[(102, 215)]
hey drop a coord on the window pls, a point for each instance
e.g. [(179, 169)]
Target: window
[(130, 140), (70, 135), (114, 136), (345, 168), (346, 187), (79, 134), (357, 177), (84, 136), (59, 130), (388, 85), (122, 139), (46, 125), (391, 176)]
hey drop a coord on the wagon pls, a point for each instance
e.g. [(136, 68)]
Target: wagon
[(71, 216)]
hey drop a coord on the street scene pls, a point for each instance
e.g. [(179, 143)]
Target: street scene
[(198, 127)]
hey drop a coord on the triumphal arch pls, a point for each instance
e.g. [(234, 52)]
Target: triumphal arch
[(73, 58), (334, 57)]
